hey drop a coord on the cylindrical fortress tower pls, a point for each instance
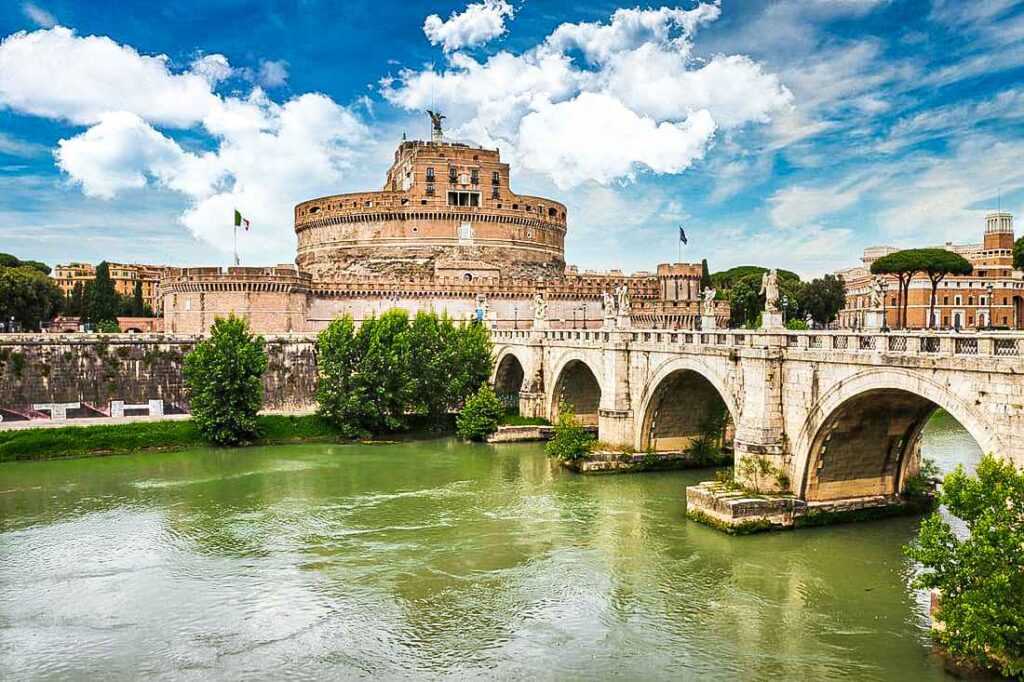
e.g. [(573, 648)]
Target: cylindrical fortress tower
[(446, 210)]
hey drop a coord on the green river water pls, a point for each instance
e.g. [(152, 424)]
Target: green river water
[(433, 559)]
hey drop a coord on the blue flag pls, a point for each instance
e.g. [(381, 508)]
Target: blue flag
[(682, 234)]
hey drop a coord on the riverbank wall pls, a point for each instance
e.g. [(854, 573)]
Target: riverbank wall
[(97, 369)]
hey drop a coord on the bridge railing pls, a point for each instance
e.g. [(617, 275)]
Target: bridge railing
[(997, 344)]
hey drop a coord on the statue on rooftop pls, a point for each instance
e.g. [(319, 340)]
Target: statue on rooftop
[(435, 120)]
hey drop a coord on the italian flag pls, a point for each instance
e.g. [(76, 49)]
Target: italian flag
[(240, 221)]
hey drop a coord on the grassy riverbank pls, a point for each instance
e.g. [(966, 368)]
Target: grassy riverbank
[(83, 441)]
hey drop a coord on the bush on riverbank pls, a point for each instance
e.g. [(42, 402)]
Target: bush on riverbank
[(480, 416), (571, 440), (373, 379), (224, 379), (117, 439), (980, 577)]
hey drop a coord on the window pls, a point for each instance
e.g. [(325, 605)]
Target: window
[(474, 176), (452, 174), (464, 199), (495, 178), (970, 300), (430, 173), (495, 193), (945, 300), (958, 300), (430, 190)]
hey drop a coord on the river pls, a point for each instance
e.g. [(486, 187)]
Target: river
[(433, 559)]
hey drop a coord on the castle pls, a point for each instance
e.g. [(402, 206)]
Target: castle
[(445, 234)]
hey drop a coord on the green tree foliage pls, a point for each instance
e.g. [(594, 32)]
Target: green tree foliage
[(224, 380), (74, 304), (480, 416), (935, 263), (28, 295), (103, 302), (108, 327), (980, 577), (9, 261), (823, 298), (372, 378), (1018, 254), (740, 286), (385, 371), (705, 275), (339, 393), (571, 440), (797, 325), (726, 279)]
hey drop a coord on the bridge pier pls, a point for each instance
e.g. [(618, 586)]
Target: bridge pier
[(615, 417), (761, 461)]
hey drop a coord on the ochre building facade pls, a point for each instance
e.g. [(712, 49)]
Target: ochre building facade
[(445, 234), (992, 295)]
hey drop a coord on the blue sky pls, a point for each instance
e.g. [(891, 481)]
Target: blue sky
[(791, 133)]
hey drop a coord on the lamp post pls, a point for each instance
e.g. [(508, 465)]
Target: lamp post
[(515, 309), (990, 288), (785, 305), (883, 286)]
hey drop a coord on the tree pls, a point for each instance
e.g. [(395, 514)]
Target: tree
[(385, 371), (224, 379), (937, 263), (744, 304), (823, 298), (9, 261), (74, 306), (571, 440), (474, 360), (480, 415), (339, 395), (1018, 254), (980, 576), (903, 265), (29, 296), (104, 302), (705, 275)]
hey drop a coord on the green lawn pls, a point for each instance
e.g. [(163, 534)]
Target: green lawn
[(78, 441)]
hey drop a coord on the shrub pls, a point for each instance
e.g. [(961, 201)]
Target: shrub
[(480, 416), (223, 377), (108, 327), (797, 325), (571, 441), (980, 577), (922, 483)]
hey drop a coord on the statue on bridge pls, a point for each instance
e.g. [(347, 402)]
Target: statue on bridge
[(770, 289), (708, 304), (622, 300), (877, 292)]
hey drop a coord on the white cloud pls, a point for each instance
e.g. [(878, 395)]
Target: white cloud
[(59, 75), (39, 15), (16, 147), (213, 67), (477, 24), (630, 84), (273, 74), (799, 205), (266, 157)]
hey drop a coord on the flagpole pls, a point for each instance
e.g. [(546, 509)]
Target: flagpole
[(235, 229)]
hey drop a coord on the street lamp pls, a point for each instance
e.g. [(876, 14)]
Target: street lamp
[(515, 309), (990, 288), (785, 305), (882, 286)]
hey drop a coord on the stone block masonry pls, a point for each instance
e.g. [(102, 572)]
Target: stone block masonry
[(95, 370)]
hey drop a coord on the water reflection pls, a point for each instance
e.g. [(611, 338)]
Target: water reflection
[(430, 559)]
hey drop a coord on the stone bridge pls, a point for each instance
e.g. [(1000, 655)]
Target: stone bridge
[(838, 414)]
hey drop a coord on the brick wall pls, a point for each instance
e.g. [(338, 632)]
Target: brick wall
[(95, 369)]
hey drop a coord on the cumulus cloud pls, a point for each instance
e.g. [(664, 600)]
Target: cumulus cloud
[(477, 24), (623, 95), (267, 156), (38, 15), (799, 205), (57, 74), (273, 74)]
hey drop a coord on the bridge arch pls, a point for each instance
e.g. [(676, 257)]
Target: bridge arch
[(509, 377), (577, 383), (862, 437), (681, 398)]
